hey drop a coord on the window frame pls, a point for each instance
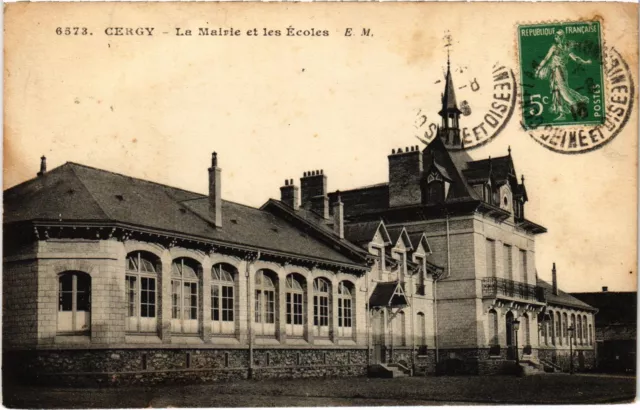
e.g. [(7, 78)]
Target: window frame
[(148, 323)]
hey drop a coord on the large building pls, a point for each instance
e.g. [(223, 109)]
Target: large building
[(114, 279)]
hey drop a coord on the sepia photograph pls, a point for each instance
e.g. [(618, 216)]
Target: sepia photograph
[(319, 204)]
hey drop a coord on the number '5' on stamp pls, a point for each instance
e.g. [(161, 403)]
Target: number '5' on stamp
[(561, 74)]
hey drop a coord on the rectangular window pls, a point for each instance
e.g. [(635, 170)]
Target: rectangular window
[(523, 265), (506, 254), (190, 300), (215, 303), (321, 310), (227, 303), (491, 257), (132, 296), (340, 312), (147, 297), (297, 308), (175, 299), (270, 308), (289, 309), (66, 293), (258, 307), (347, 312)]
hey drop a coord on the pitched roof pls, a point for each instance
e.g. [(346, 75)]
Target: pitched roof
[(78, 193), (363, 232), (501, 168), (562, 298), (613, 307), (419, 237), (387, 294), (397, 232)]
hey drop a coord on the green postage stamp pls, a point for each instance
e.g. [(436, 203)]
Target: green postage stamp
[(561, 74)]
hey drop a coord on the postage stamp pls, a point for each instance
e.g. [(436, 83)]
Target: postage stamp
[(561, 68)]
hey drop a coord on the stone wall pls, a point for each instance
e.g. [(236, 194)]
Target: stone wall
[(153, 366), (20, 302), (583, 359)]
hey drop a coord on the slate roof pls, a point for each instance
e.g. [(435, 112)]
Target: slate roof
[(394, 234), (368, 199), (449, 103), (383, 295), (613, 307), (78, 193), (562, 298), (361, 232)]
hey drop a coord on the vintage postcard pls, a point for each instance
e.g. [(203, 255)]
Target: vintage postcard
[(295, 204)]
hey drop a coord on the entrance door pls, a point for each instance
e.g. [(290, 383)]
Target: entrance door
[(377, 322), (510, 337)]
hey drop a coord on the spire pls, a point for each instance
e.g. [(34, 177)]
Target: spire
[(449, 103)]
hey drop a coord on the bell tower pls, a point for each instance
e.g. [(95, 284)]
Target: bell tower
[(449, 130)]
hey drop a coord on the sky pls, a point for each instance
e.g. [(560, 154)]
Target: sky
[(155, 107)]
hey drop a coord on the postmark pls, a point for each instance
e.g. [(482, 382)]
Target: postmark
[(618, 96), (561, 69)]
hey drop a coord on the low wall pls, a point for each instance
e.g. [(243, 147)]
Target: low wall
[(74, 367)]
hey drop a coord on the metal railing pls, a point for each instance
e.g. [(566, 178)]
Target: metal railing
[(493, 287)]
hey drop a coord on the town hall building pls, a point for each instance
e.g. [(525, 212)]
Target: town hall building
[(111, 279)]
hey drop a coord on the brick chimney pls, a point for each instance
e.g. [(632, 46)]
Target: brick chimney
[(289, 194), (215, 184), (405, 171), (338, 216), (313, 190), (43, 166), (554, 279)]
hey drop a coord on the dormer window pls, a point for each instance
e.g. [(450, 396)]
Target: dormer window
[(486, 193), (436, 188)]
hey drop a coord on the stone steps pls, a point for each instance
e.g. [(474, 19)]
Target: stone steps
[(388, 371)]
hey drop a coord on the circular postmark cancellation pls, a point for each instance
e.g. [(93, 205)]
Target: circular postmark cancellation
[(486, 98), (576, 95)]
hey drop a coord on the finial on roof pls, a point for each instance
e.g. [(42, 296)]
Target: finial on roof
[(522, 178), (509, 150), (448, 60)]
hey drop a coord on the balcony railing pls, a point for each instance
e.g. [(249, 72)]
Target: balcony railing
[(495, 287)]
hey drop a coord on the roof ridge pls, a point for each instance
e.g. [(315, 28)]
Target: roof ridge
[(135, 178), (89, 192), (380, 184)]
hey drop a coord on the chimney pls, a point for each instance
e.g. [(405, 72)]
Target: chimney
[(405, 171), (215, 199), (289, 194), (605, 288), (338, 217), (43, 166), (313, 190), (554, 279)]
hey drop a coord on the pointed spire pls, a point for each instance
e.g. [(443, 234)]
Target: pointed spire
[(509, 150)]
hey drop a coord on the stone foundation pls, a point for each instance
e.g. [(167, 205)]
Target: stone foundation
[(75, 367)]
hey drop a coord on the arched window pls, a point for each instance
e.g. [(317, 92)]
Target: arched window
[(223, 278), (142, 292), (584, 329), (565, 334), (265, 302), (544, 332), (399, 326), (573, 325), (486, 193), (422, 331), (295, 305), (559, 328), (74, 303), (321, 296), (579, 331), (345, 309), (493, 328), (435, 191), (184, 295), (526, 330), (590, 335)]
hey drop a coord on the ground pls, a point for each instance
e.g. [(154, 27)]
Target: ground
[(538, 389)]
